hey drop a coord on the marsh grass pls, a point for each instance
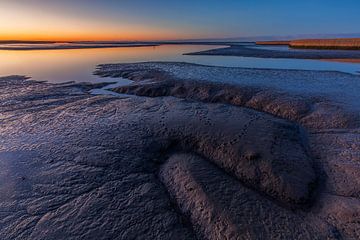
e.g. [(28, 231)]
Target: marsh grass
[(341, 43)]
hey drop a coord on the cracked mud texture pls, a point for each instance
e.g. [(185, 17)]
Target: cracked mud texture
[(176, 162), (245, 51)]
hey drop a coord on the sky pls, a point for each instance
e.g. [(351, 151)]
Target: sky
[(170, 20)]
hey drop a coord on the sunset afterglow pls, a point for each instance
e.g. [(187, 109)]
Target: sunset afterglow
[(179, 119), (162, 20), (58, 20)]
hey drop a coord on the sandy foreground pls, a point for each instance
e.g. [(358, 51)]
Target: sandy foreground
[(176, 155)]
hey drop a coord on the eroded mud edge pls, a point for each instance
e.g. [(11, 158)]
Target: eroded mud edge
[(206, 154)]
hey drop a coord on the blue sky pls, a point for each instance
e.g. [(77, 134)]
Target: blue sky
[(188, 19)]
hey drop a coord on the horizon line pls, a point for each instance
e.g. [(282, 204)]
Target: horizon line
[(248, 38)]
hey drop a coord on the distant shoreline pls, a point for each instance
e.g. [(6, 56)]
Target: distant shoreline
[(12, 45), (25, 42), (342, 60), (68, 47), (231, 48), (321, 44), (316, 44), (313, 54)]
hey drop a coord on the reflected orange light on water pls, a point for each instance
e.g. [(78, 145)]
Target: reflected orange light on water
[(60, 65)]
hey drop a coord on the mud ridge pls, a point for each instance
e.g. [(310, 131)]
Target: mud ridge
[(78, 166), (311, 112)]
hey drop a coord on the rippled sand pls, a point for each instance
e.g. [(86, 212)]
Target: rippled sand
[(178, 155)]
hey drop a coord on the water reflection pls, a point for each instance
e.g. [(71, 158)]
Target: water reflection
[(78, 64)]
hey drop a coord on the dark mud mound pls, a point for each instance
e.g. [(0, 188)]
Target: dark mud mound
[(78, 166), (312, 114), (219, 207), (164, 79), (263, 152)]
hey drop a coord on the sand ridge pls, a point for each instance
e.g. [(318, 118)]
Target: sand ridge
[(179, 161)]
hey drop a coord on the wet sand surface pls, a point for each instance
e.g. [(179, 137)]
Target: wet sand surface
[(178, 155), (251, 51), (341, 88)]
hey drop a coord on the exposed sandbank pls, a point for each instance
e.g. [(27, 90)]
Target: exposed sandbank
[(341, 88), (43, 45), (57, 46), (188, 159), (272, 43), (244, 51)]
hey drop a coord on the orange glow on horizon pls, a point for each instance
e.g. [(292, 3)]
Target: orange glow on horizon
[(66, 32), (89, 37), (18, 23)]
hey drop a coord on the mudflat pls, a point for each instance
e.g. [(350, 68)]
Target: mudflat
[(251, 51), (178, 155)]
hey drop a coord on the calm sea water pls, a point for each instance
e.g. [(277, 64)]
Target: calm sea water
[(79, 64)]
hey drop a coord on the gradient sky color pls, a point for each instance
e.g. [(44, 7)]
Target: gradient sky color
[(168, 19)]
